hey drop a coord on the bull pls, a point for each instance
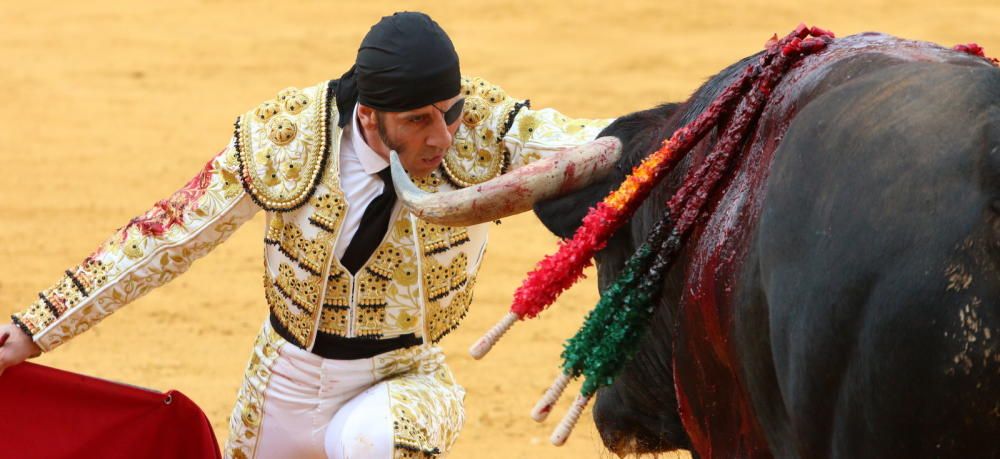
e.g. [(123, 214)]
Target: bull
[(841, 296)]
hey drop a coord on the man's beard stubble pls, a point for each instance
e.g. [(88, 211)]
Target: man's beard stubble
[(383, 135)]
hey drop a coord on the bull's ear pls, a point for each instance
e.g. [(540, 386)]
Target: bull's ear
[(563, 215)]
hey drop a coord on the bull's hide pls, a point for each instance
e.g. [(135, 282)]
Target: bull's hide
[(841, 298)]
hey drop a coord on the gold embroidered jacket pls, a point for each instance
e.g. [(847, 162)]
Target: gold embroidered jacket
[(283, 158)]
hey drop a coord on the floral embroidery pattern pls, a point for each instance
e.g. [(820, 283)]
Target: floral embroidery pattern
[(282, 147), (425, 401), (148, 252), (477, 154), (244, 423)]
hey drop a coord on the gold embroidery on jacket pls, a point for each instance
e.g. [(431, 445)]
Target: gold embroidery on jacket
[(304, 294), (430, 183), (293, 301), (309, 254), (369, 320), (330, 211), (438, 238), (275, 228), (457, 308), (338, 287), (231, 186), (443, 316), (526, 125), (334, 320), (388, 301), (266, 110), (477, 154), (313, 253), (75, 286), (435, 237), (298, 323), (282, 147), (281, 130), (36, 317), (133, 247), (436, 282), (336, 302), (458, 237), (291, 239), (373, 285), (151, 249), (538, 131), (458, 271), (89, 276), (294, 100)]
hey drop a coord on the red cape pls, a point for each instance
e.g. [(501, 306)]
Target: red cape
[(50, 413)]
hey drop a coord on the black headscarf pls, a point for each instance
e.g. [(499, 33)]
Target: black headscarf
[(406, 61)]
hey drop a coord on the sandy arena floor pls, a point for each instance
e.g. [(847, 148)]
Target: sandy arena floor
[(109, 106)]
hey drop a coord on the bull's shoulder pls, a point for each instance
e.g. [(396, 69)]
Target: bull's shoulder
[(477, 154), (283, 144)]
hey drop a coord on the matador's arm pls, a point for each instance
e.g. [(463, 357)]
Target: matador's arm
[(502, 133), (536, 134), (149, 251)]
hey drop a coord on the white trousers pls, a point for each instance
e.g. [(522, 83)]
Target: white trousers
[(319, 408), (296, 404)]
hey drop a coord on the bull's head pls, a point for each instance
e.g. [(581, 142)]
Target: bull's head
[(638, 413)]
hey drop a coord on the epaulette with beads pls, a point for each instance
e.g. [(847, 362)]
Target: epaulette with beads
[(478, 153), (282, 146)]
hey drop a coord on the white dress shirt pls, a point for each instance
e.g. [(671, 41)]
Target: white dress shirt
[(359, 167)]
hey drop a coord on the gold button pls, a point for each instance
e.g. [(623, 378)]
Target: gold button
[(266, 110), (295, 103), (281, 130)]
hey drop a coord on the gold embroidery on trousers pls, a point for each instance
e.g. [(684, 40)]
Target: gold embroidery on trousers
[(245, 421), (426, 405)]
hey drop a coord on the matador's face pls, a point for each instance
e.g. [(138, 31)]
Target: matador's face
[(420, 136)]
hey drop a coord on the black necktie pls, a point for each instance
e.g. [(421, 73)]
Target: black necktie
[(372, 228)]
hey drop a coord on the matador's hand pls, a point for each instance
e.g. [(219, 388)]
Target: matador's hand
[(15, 346)]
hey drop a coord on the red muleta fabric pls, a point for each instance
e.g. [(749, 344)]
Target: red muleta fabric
[(50, 413)]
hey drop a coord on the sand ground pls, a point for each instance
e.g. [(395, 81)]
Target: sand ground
[(108, 106)]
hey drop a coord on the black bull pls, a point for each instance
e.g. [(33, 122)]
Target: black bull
[(842, 297)]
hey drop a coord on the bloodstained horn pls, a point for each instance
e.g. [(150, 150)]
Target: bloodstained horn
[(511, 193)]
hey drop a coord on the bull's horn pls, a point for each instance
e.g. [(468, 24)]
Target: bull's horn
[(513, 193)]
